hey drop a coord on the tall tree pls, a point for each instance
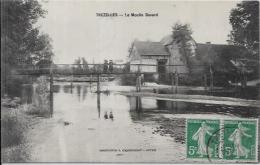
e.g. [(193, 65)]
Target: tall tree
[(85, 64), (245, 24), (182, 36), (20, 39), (77, 63)]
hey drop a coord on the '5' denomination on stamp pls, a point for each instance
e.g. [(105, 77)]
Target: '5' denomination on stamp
[(202, 138), (240, 140)]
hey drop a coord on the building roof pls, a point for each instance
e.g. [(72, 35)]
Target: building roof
[(147, 48), (167, 40)]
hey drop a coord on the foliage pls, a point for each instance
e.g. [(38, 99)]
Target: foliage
[(21, 41), (181, 32), (12, 126), (85, 64), (41, 98), (77, 63), (182, 36), (81, 65), (245, 24)]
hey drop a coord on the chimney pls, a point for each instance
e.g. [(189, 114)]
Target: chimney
[(208, 42)]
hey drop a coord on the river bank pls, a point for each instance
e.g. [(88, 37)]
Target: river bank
[(15, 124)]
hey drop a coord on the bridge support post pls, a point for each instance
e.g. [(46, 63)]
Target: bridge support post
[(172, 81), (205, 82), (71, 84), (51, 94), (90, 80), (98, 104), (138, 104), (176, 81), (98, 83), (211, 79), (138, 83), (244, 78)]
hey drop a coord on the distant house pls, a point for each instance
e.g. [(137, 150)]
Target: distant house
[(154, 57), (166, 57)]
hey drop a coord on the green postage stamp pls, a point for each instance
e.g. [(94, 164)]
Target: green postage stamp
[(224, 140)]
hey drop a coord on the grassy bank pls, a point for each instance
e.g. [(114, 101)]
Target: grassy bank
[(14, 125), (17, 119)]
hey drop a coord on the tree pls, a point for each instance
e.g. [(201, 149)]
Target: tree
[(85, 64), (182, 36), (77, 66), (22, 43), (244, 20)]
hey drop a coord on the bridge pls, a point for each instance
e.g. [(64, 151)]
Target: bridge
[(98, 70), (93, 69)]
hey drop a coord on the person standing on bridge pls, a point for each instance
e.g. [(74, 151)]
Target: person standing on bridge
[(105, 67), (110, 66)]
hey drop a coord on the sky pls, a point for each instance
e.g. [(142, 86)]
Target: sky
[(76, 31)]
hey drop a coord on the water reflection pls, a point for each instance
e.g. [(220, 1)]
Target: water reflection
[(141, 108), (51, 103), (67, 89), (84, 93), (56, 88), (98, 104), (78, 91)]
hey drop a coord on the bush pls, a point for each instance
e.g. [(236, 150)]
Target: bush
[(41, 99), (13, 125)]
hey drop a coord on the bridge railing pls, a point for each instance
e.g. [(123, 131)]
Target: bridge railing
[(68, 69), (85, 69)]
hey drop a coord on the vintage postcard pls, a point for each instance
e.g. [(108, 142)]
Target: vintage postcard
[(130, 81)]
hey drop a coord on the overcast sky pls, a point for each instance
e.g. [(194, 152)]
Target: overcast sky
[(77, 31)]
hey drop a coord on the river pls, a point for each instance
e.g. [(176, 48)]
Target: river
[(78, 130)]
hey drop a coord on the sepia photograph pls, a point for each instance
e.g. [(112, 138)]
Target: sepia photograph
[(130, 81)]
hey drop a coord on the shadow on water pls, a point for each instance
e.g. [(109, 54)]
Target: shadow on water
[(144, 108), (243, 93)]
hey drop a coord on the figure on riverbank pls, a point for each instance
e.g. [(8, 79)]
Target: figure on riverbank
[(111, 116), (106, 115)]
